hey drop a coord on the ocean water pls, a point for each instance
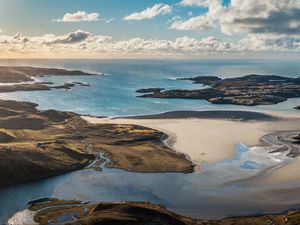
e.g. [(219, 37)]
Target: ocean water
[(113, 94)]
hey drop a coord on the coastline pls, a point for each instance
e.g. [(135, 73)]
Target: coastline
[(207, 140), (37, 144), (203, 136), (208, 114)]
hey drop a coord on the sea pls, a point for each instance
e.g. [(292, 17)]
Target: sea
[(113, 90)]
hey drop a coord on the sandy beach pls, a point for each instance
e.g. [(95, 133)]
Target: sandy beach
[(202, 140), (207, 140)]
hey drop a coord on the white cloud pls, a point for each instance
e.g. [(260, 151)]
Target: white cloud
[(264, 16), (267, 42), (78, 16), (74, 37), (248, 17), (150, 13), (199, 3), (109, 20), (205, 21), (195, 23)]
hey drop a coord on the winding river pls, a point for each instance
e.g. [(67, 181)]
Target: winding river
[(220, 190)]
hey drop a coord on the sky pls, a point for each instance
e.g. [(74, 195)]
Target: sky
[(149, 28)]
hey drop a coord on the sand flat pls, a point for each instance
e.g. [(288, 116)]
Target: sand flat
[(203, 140), (209, 140)]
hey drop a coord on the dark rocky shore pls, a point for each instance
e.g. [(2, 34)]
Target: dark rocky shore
[(136, 213), (248, 90), (218, 114)]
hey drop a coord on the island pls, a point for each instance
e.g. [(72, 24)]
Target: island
[(23, 79), (247, 90)]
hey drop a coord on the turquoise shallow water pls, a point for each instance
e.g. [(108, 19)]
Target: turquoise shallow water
[(114, 94)]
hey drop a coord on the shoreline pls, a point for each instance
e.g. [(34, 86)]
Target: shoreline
[(189, 129), (31, 138), (236, 115)]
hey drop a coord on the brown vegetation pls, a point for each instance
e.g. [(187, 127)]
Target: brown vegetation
[(137, 213), (36, 144)]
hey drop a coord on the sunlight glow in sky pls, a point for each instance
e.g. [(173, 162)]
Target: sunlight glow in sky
[(148, 28)]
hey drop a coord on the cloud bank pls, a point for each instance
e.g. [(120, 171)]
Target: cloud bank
[(85, 44)]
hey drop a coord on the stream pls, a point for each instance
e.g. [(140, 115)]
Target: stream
[(219, 190)]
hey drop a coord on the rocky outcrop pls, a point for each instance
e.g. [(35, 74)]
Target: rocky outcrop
[(66, 86), (206, 80), (297, 107), (24, 87), (248, 90), (149, 90)]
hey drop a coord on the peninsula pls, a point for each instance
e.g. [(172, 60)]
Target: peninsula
[(37, 144), (17, 74)]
